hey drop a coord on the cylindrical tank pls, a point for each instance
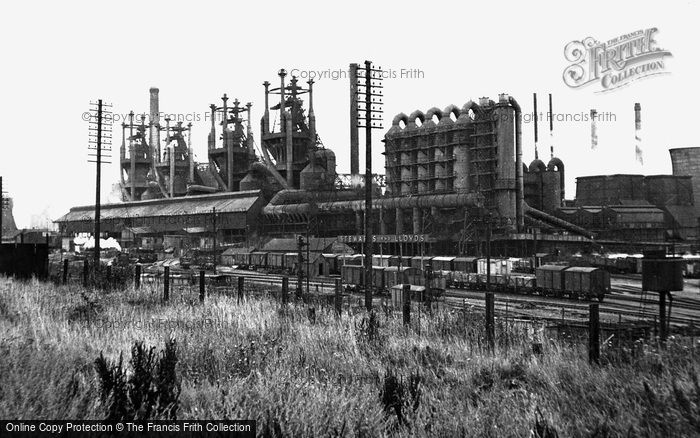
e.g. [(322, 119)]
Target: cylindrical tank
[(686, 161), (505, 171), (551, 191)]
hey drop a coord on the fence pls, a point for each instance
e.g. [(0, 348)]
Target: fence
[(495, 327), (24, 260)]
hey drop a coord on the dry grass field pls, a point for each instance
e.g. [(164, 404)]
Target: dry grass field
[(303, 375)]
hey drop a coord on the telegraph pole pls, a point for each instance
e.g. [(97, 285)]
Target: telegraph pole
[(4, 204), (2, 207), (100, 137), (213, 213), (369, 85)]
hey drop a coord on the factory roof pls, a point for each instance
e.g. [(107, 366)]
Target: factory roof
[(232, 251), (634, 209), (230, 202), (316, 244), (617, 175), (685, 215), (174, 215)]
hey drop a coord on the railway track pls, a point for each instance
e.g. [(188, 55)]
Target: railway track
[(625, 302), (546, 308)]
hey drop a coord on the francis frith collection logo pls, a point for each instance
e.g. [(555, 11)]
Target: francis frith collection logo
[(614, 63)]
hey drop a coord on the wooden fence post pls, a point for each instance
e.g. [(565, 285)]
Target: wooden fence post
[(166, 283), (593, 333), (285, 290), (338, 297), (65, 271), (86, 273), (406, 301), (490, 321), (241, 285), (202, 289), (137, 277)]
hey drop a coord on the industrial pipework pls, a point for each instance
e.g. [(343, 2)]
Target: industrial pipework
[(519, 214)]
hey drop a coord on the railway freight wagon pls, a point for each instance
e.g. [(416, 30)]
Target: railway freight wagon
[(404, 261), (328, 265), (381, 260), (350, 259), (352, 276), (420, 262), (258, 259), (586, 282), (498, 266), (275, 262), (383, 279), (291, 262), (550, 279), (464, 264), (691, 268), (378, 277), (574, 282), (394, 275), (443, 263), (242, 259)]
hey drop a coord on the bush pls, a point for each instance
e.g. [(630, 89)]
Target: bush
[(151, 390)]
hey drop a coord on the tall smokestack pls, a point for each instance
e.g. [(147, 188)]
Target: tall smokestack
[(638, 133), (551, 128), (266, 114), (212, 131), (190, 153), (154, 124), (594, 129), (312, 116), (534, 99), (249, 133)]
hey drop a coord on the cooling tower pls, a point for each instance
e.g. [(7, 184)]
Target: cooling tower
[(686, 161)]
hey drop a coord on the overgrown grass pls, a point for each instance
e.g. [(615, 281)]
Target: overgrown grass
[(300, 374)]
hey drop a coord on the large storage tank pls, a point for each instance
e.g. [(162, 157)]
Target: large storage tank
[(609, 189), (686, 161)]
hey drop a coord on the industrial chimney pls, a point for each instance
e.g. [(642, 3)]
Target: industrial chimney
[(594, 129), (638, 133), (551, 129), (154, 125), (534, 98)]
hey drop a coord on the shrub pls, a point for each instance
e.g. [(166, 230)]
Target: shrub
[(151, 390)]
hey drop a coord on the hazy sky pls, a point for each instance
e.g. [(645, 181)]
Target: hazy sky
[(56, 58)]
